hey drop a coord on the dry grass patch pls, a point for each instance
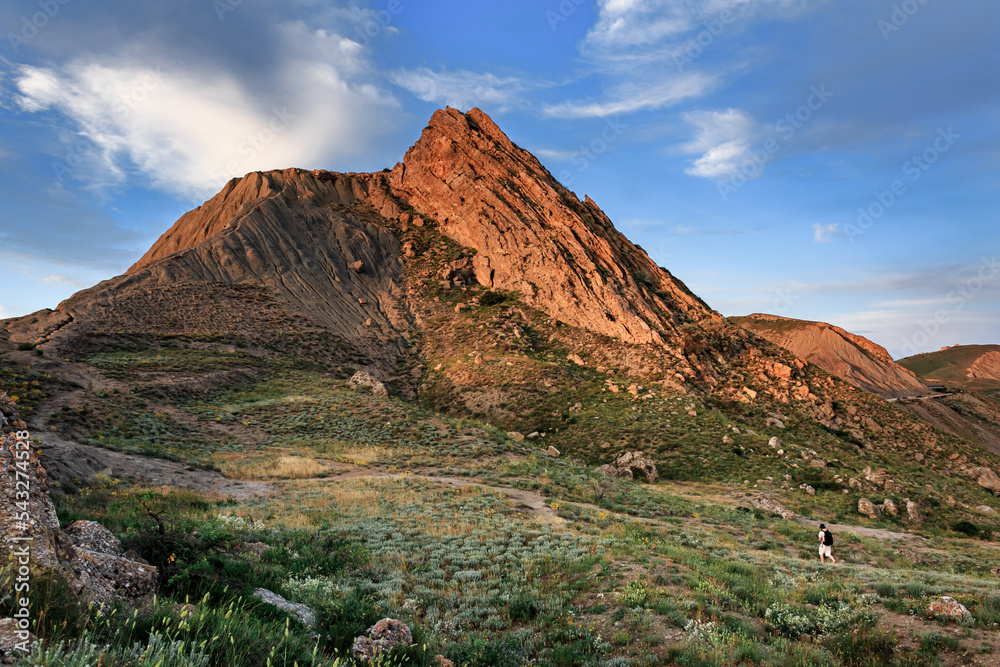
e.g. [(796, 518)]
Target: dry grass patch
[(361, 455), (273, 464)]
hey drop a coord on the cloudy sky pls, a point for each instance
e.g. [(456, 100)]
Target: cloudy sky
[(835, 160)]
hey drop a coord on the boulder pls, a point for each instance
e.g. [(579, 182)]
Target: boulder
[(14, 641), (775, 443), (575, 358), (775, 422), (912, 511), (303, 613), (357, 266), (255, 548), (92, 536), (881, 479), (552, 451), (869, 509), (631, 465), (362, 380), (986, 509), (890, 508), (947, 607), (986, 478), (514, 435), (771, 505), (382, 637), (105, 578)]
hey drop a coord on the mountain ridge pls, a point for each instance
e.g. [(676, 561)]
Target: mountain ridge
[(854, 358)]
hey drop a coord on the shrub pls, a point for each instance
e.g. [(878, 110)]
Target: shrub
[(868, 648), (621, 638), (788, 622), (987, 611), (523, 608), (966, 528), (491, 298), (480, 652), (635, 594), (884, 590), (343, 619)]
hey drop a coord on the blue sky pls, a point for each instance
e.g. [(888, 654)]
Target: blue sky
[(835, 160)]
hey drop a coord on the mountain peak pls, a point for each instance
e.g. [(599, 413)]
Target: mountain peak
[(325, 248), (535, 237)]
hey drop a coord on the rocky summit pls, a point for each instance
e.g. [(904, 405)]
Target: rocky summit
[(446, 414), (314, 250)]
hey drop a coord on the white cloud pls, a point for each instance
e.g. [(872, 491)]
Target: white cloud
[(636, 96), (642, 45), (189, 129), (462, 89), (553, 154), (910, 303), (62, 279), (825, 233), (638, 23), (722, 137)]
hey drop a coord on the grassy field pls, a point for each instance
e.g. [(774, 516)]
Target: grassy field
[(497, 554)]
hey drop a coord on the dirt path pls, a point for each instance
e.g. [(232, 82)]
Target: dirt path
[(877, 533)]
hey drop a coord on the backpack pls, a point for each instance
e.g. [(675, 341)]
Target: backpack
[(827, 538)]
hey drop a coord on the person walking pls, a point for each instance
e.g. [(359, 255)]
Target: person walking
[(825, 545)]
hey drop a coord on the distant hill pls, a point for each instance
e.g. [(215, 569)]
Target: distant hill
[(849, 356), (966, 367)]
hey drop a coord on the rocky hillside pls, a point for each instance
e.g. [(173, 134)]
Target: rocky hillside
[(468, 279), (848, 356)]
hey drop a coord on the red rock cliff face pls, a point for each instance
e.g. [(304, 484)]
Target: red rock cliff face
[(291, 243), (534, 236)]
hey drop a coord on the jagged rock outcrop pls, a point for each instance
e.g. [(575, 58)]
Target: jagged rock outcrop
[(362, 380), (631, 465), (853, 358), (32, 521), (280, 258), (88, 554), (533, 236), (985, 367), (380, 638), (101, 572), (273, 258)]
